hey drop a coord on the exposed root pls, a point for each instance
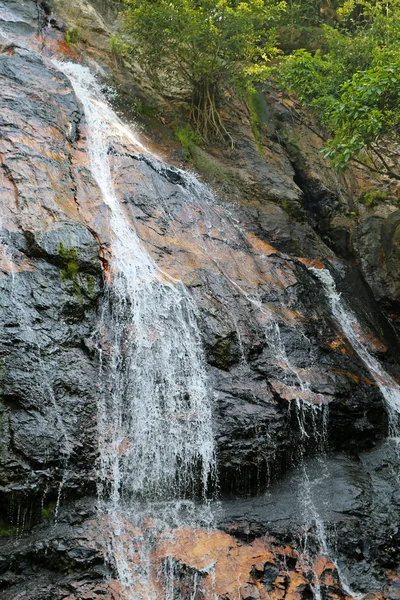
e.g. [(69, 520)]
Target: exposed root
[(207, 119)]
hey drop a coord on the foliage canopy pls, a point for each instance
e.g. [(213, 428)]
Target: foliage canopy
[(353, 85), (348, 73), (203, 46)]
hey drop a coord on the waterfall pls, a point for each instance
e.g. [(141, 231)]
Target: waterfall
[(347, 321), (154, 420)]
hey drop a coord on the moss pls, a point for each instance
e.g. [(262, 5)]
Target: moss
[(222, 352), (70, 263), (285, 205), (47, 510), (188, 139), (204, 163), (373, 198), (255, 104), (143, 109), (68, 254), (294, 209), (91, 284), (208, 166), (70, 269), (7, 531)]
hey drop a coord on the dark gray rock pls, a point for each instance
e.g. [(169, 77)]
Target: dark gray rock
[(376, 244)]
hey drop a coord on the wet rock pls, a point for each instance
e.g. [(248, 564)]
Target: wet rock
[(68, 243), (376, 244), (50, 283), (274, 225)]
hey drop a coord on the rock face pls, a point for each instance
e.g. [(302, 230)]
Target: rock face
[(300, 423), (51, 281), (376, 242)]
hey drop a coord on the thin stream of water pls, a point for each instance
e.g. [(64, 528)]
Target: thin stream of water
[(347, 321), (389, 389), (41, 379)]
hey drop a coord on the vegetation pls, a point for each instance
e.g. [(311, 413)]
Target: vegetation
[(353, 85), (70, 260), (188, 138), (373, 198), (340, 57), (202, 48), (48, 510), (254, 102), (70, 269), (119, 48), (144, 109), (191, 141), (8, 531), (301, 23), (73, 35)]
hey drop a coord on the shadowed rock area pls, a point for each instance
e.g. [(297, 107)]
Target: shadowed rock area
[(307, 486)]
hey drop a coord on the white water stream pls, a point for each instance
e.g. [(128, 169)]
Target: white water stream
[(155, 426), (347, 321)]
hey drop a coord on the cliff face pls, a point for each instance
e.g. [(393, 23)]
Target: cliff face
[(278, 160), (306, 478)]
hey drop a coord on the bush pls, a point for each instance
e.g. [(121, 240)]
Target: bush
[(73, 35), (353, 85)]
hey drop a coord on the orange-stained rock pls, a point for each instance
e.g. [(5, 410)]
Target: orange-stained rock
[(293, 393), (341, 344), (13, 263), (315, 264)]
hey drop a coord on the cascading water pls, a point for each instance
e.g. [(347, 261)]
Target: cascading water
[(351, 328), (308, 407), (312, 420), (155, 428)]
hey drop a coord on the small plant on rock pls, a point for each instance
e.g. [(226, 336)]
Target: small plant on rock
[(73, 35), (373, 197)]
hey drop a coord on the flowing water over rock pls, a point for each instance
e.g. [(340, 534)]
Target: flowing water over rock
[(155, 415), (352, 330)]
